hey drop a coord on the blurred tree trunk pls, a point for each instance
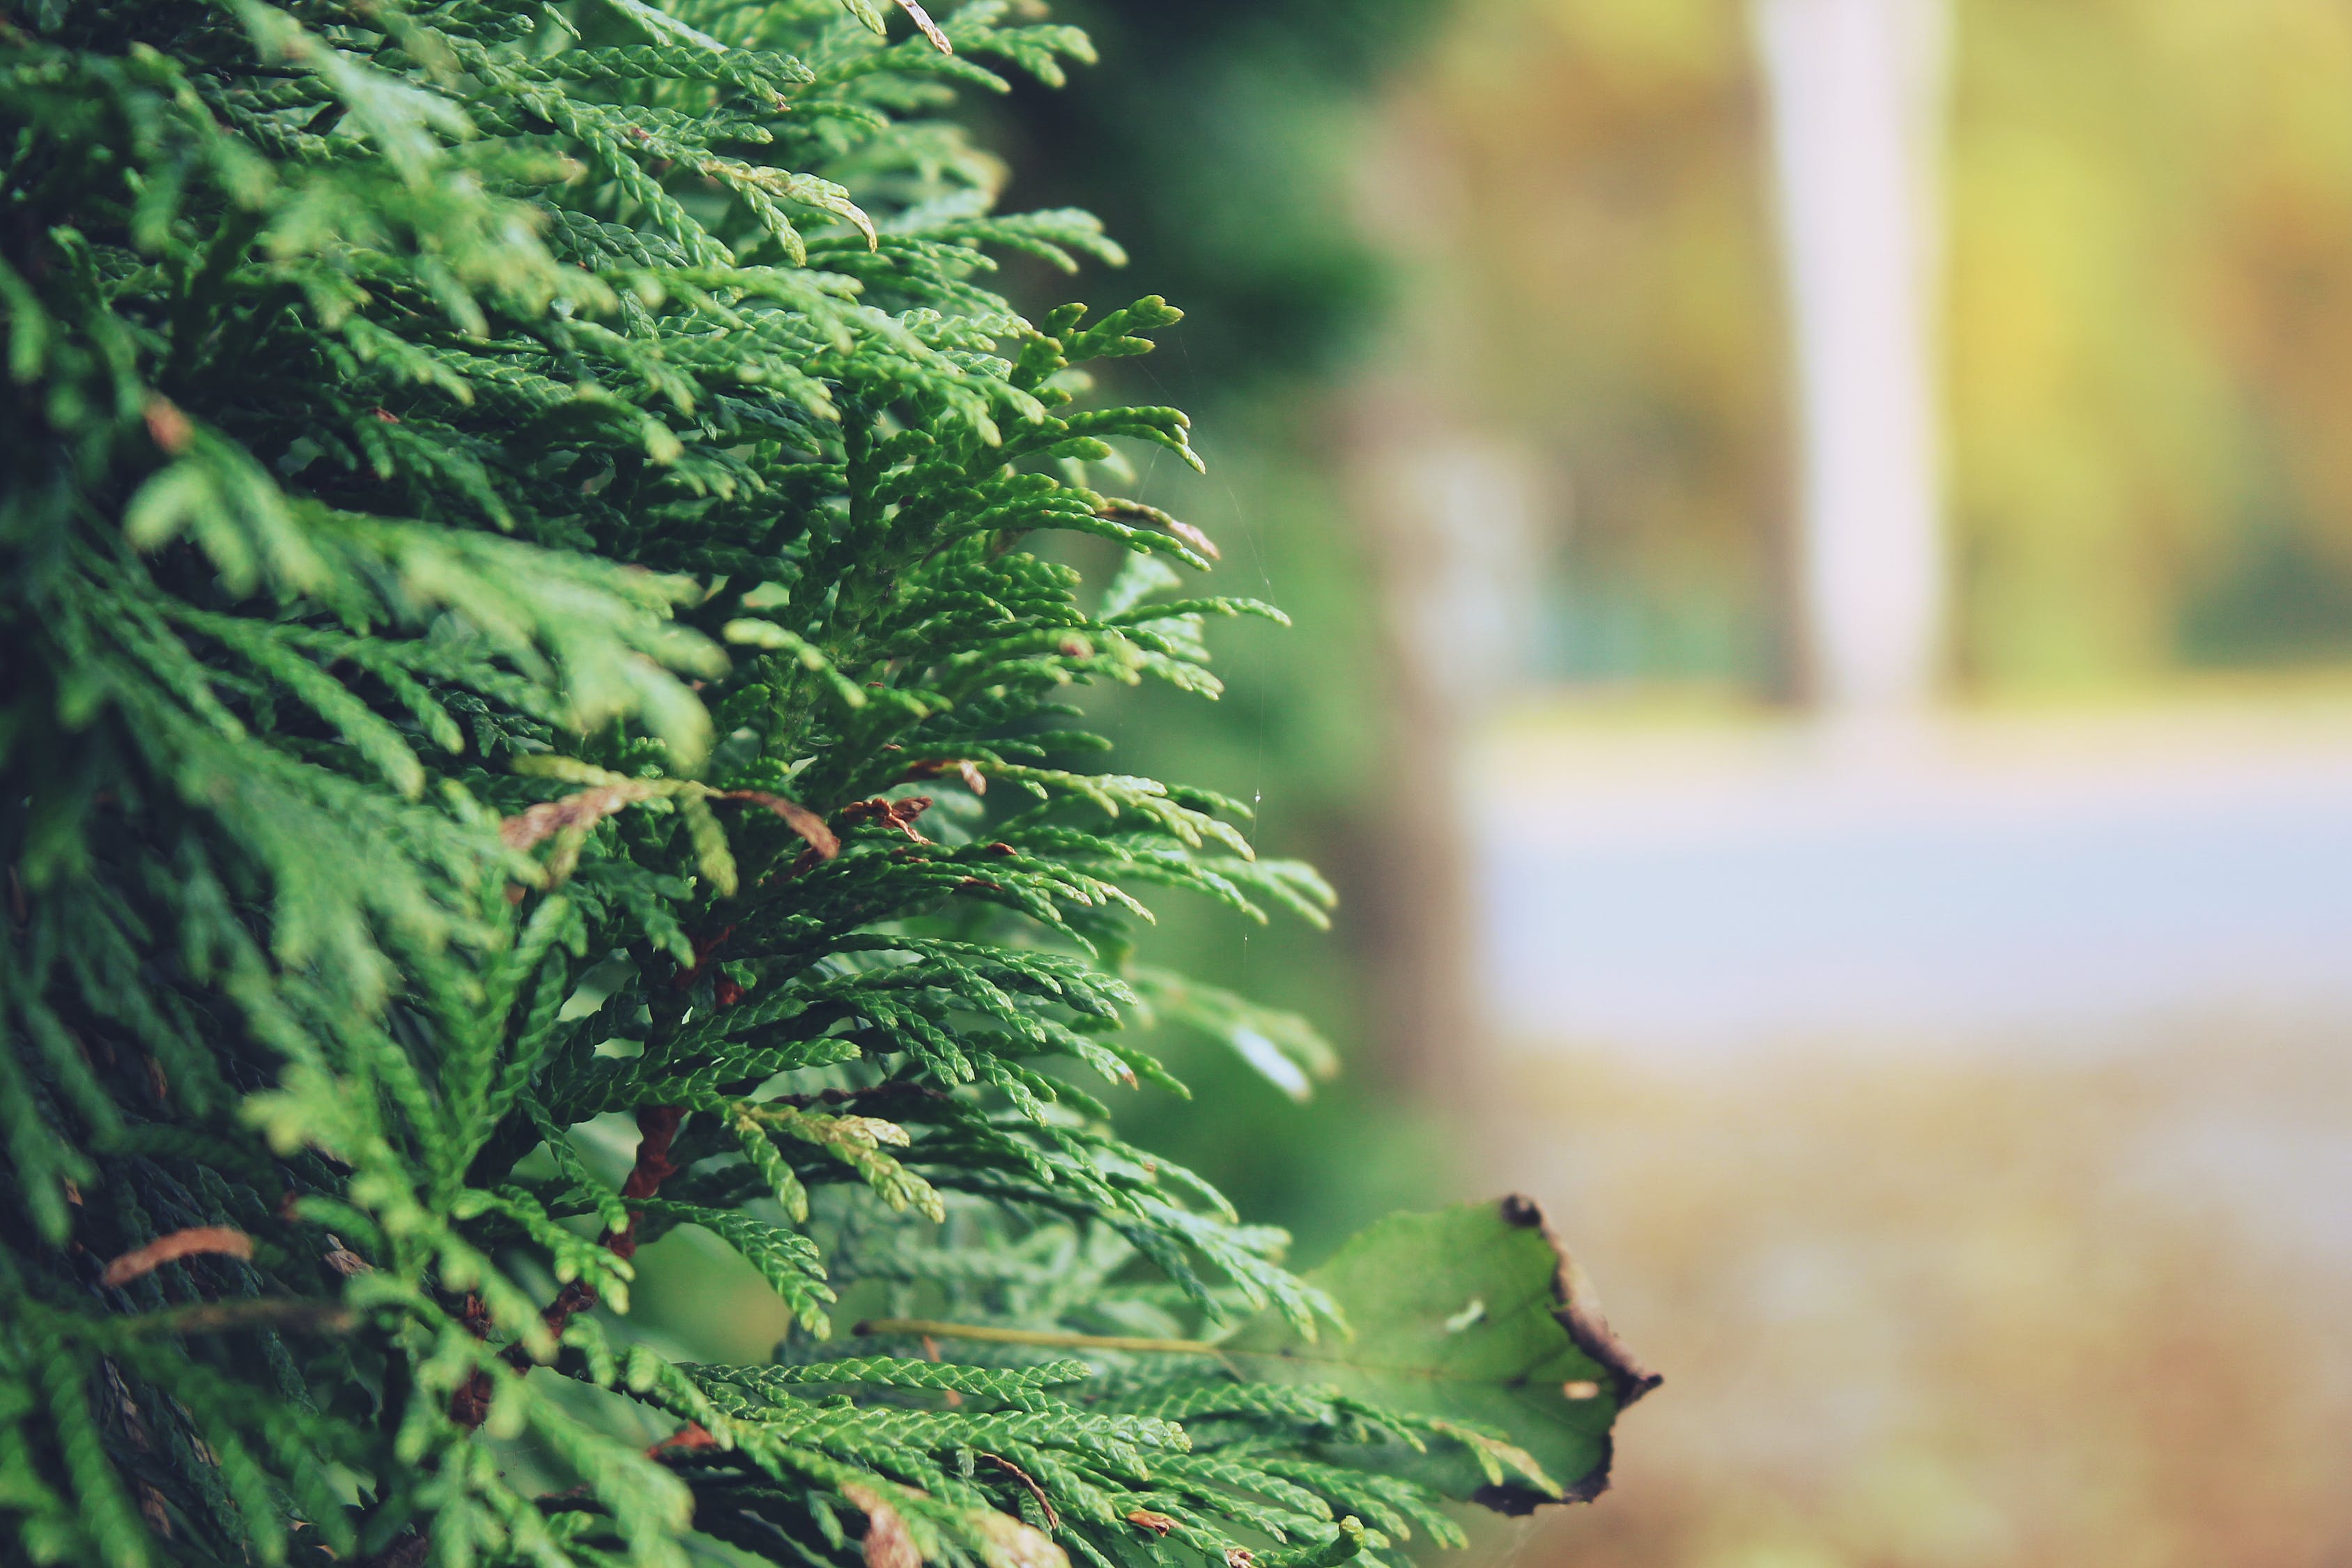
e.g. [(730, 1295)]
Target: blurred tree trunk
[(1448, 522), (1856, 91)]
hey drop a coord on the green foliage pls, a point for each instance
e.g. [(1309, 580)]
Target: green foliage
[(513, 599), (1273, 104), (1256, 230)]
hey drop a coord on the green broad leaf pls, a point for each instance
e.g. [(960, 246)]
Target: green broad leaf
[(1475, 1324)]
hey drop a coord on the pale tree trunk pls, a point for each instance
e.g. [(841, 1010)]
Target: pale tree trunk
[(1857, 90)]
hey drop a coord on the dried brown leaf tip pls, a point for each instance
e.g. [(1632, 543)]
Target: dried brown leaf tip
[(214, 1240), (940, 767), (529, 828), (152, 1508), (568, 821), (1194, 536), (1240, 1557), (930, 30), (1144, 1518), (798, 817), (888, 1543), (897, 813), (167, 426), (1578, 1311), (1135, 511), (691, 1438), (344, 1261)]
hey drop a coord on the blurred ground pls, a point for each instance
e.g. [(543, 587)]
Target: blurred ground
[(1948, 1312)]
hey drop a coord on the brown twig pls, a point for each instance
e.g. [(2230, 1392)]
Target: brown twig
[(1053, 1518), (196, 1241), (657, 1126), (704, 947)]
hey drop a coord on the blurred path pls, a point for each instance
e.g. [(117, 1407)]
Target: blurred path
[(1700, 891)]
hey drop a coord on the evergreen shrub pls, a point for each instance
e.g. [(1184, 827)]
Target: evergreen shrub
[(529, 719)]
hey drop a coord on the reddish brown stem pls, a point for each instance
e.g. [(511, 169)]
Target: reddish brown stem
[(657, 1127), (703, 948), (471, 1403)]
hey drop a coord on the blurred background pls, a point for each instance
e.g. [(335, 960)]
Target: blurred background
[(1821, 539)]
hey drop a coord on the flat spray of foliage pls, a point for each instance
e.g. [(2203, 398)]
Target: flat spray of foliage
[(528, 721)]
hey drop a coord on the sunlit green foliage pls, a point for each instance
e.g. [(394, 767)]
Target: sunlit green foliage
[(528, 721)]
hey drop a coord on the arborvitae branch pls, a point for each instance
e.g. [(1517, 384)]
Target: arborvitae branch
[(518, 616)]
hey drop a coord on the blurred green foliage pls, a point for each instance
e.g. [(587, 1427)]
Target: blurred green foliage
[(1253, 230), (1265, 103)]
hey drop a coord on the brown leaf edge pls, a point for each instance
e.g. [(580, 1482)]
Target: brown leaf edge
[(1576, 1307)]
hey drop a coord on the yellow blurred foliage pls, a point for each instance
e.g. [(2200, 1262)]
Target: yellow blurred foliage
[(2150, 324), (2148, 328), (1592, 263)]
